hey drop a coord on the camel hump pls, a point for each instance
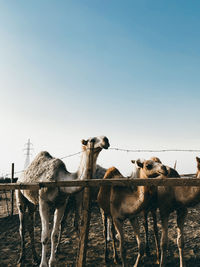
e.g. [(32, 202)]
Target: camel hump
[(44, 168), (44, 154), (112, 173)]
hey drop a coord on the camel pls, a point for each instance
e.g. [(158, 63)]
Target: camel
[(46, 168), (126, 202), (75, 203), (177, 198), (153, 210), (99, 174)]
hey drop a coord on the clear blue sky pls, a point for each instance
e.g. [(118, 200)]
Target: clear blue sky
[(74, 69)]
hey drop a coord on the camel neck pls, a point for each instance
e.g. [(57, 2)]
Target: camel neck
[(85, 169), (135, 173)]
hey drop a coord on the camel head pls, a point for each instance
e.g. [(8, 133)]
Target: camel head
[(99, 143), (156, 159), (151, 168)]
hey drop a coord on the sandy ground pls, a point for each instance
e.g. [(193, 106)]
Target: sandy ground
[(10, 242)]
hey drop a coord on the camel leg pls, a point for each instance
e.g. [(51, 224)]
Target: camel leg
[(136, 229), (119, 227), (21, 205), (115, 255), (44, 215), (105, 225), (58, 214), (31, 216), (164, 238), (147, 250), (155, 227), (109, 230), (78, 209), (57, 250), (181, 215), (64, 218)]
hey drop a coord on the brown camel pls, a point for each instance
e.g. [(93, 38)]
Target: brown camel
[(126, 202), (153, 210), (46, 168), (177, 198)]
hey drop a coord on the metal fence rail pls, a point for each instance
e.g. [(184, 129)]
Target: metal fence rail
[(186, 181)]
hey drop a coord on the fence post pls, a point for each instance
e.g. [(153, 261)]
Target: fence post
[(12, 191), (85, 218), (6, 198)]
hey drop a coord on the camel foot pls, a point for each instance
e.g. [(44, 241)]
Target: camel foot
[(158, 262), (21, 261), (52, 262), (117, 260), (20, 264)]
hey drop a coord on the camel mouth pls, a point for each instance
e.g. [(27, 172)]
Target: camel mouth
[(164, 172), (105, 146), (155, 175)]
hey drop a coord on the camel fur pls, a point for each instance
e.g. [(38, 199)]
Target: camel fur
[(125, 202), (47, 168), (177, 198)]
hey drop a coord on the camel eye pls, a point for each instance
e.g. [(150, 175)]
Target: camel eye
[(149, 166)]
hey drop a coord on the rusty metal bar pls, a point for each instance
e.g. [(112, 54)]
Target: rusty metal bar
[(186, 181)]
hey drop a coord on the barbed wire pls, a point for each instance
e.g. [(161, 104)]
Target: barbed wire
[(154, 150), (71, 155), (128, 151)]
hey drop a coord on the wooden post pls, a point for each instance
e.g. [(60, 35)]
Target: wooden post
[(6, 201), (85, 219), (12, 191)]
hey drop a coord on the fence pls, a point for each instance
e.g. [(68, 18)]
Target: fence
[(183, 181), (186, 180)]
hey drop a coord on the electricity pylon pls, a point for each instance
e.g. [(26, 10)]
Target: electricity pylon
[(28, 149)]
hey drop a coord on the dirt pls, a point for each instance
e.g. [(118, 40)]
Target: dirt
[(10, 242)]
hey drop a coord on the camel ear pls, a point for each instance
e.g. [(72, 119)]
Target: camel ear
[(197, 159), (133, 161), (139, 163), (84, 142)]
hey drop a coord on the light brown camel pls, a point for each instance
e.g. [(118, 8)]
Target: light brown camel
[(46, 168), (177, 198), (152, 208), (126, 202)]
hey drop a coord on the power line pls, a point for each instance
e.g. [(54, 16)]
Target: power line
[(122, 150)]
